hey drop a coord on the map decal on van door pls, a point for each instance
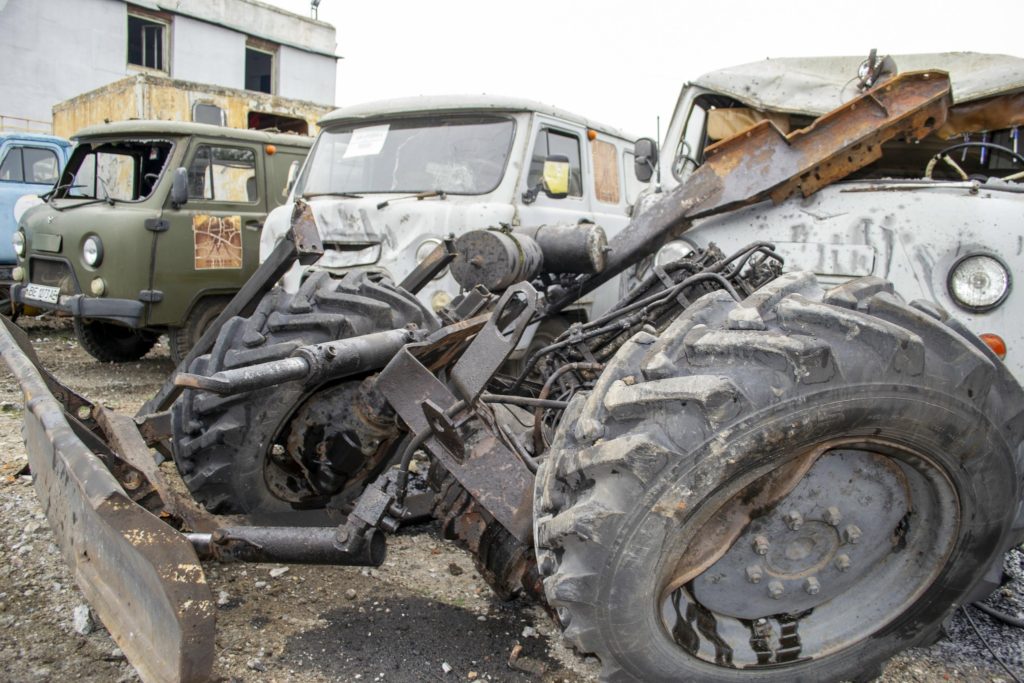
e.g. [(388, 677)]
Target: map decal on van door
[(218, 242)]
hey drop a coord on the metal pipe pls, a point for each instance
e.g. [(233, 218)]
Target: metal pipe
[(287, 545), (522, 401), (538, 414)]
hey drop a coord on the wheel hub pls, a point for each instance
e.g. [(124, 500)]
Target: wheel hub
[(842, 518)]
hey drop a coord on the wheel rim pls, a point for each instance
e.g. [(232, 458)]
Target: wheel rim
[(842, 551)]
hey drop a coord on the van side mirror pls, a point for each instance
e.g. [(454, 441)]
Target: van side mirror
[(179, 188), (293, 175), (645, 159)]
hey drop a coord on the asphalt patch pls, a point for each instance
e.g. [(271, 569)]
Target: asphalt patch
[(403, 644)]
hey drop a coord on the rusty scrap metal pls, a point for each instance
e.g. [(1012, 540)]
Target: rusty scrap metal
[(763, 163), (287, 545), (114, 547)]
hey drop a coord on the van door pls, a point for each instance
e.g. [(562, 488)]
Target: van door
[(26, 167), (209, 246), (553, 136)]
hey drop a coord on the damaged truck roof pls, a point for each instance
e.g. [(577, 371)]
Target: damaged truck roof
[(815, 85)]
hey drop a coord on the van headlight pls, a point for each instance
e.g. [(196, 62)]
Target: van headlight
[(979, 282), (424, 250), (92, 251), (673, 251), (18, 240)]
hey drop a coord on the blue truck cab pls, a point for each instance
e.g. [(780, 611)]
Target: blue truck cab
[(30, 163)]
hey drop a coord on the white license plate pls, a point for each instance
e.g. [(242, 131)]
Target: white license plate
[(42, 293)]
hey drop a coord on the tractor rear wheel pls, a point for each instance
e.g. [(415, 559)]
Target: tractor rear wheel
[(790, 488)]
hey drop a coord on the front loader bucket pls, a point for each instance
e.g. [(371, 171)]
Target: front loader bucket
[(141, 576)]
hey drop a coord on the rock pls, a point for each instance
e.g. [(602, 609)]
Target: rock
[(82, 621), (454, 569), (446, 667), (256, 665), (350, 594), (278, 572), (117, 653), (223, 598), (472, 676), (529, 632), (260, 584)]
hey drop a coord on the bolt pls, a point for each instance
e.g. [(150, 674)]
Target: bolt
[(794, 520), (842, 562), (811, 586), (832, 516), (761, 545), (754, 573), (851, 533), (776, 589), (131, 480)]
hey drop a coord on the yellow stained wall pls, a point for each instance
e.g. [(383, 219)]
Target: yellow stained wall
[(150, 97)]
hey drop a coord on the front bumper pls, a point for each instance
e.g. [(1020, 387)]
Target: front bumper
[(123, 311), (142, 577)]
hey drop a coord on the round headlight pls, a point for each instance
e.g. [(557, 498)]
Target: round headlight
[(18, 240), (979, 282), (92, 251), (673, 251), (423, 251)]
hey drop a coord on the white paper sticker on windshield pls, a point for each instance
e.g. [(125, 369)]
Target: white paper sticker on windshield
[(366, 142)]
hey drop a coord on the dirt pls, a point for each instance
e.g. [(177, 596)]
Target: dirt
[(424, 615)]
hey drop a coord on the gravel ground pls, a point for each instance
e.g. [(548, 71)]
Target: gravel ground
[(425, 615)]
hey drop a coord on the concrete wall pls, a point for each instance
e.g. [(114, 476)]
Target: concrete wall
[(260, 20), (56, 49), (305, 76), (206, 53)]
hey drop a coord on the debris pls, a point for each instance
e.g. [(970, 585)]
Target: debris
[(528, 665), (446, 667), (529, 632), (256, 665), (278, 571), (223, 598), (82, 621), (350, 594), (455, 570), (472, 675), (260, 584)]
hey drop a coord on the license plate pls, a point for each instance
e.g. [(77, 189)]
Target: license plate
[(42, 293)]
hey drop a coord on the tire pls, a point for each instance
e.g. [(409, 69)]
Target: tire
[(182, 339), (235, 452), (694, 451), (112, 343)]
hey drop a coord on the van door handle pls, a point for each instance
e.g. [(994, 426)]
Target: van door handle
[(253, 225)]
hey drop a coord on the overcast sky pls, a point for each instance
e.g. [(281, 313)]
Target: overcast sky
[(622, 63)]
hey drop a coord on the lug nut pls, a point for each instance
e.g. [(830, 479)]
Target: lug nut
[(851, 533), (811, 586), (760, 545), (776, 589), (832, 516), (754, 573), (842, 562), (794, 520)]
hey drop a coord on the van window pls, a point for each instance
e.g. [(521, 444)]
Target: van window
[(30, 165), (121, 170), (549, 142), (606, 172), (223, 174)]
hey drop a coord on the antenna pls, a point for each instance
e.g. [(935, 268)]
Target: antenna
[(657, 166), (314, 9)]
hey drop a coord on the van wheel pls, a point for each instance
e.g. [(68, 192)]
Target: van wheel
[(791, 488), (112, 343), (182, 339)]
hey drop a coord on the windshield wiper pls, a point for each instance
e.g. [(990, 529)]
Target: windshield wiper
[(346, 195), (441, 194)]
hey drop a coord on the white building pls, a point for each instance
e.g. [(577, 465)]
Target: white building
[(52, 50)]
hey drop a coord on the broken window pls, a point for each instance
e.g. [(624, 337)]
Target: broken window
[(606, 172), (259, 70), (286, 124), (203, 112), (223, 174), (119, 170), (146, 40), (552, 142)]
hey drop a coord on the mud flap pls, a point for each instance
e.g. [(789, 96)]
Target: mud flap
[(141, 576)]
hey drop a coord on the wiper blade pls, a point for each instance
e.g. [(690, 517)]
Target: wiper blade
[(346, 195), (75, 206), (441, 194)]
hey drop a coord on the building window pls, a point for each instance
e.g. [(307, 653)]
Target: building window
[(147, 41), (203, 112), (259, 70)]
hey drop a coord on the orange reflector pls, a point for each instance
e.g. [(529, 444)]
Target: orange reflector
[(270, 150), (591, 134), (996, 343)]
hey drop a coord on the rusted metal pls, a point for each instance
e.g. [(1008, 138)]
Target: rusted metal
[(763, 163), (142, 577), (287, 545), (495, 259)]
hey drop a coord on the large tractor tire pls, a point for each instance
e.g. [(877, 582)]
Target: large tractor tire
[(791, 488), (291, 454), (112, 343)]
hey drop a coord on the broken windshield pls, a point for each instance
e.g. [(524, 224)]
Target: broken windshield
[(445, 154), (121, 170)]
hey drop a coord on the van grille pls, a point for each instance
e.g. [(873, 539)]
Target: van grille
[(53, 274)]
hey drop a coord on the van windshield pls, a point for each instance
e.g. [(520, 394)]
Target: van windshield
[(450, 154), (122, 170)]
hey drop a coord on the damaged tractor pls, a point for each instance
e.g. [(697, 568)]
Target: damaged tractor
[(732, 474)]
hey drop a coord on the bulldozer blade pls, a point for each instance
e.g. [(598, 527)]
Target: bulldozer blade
[(141, 576)]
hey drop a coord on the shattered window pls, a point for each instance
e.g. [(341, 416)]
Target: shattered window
[(119, 170), (146, 43), (552, 142), (223, 174), (455, 154)]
